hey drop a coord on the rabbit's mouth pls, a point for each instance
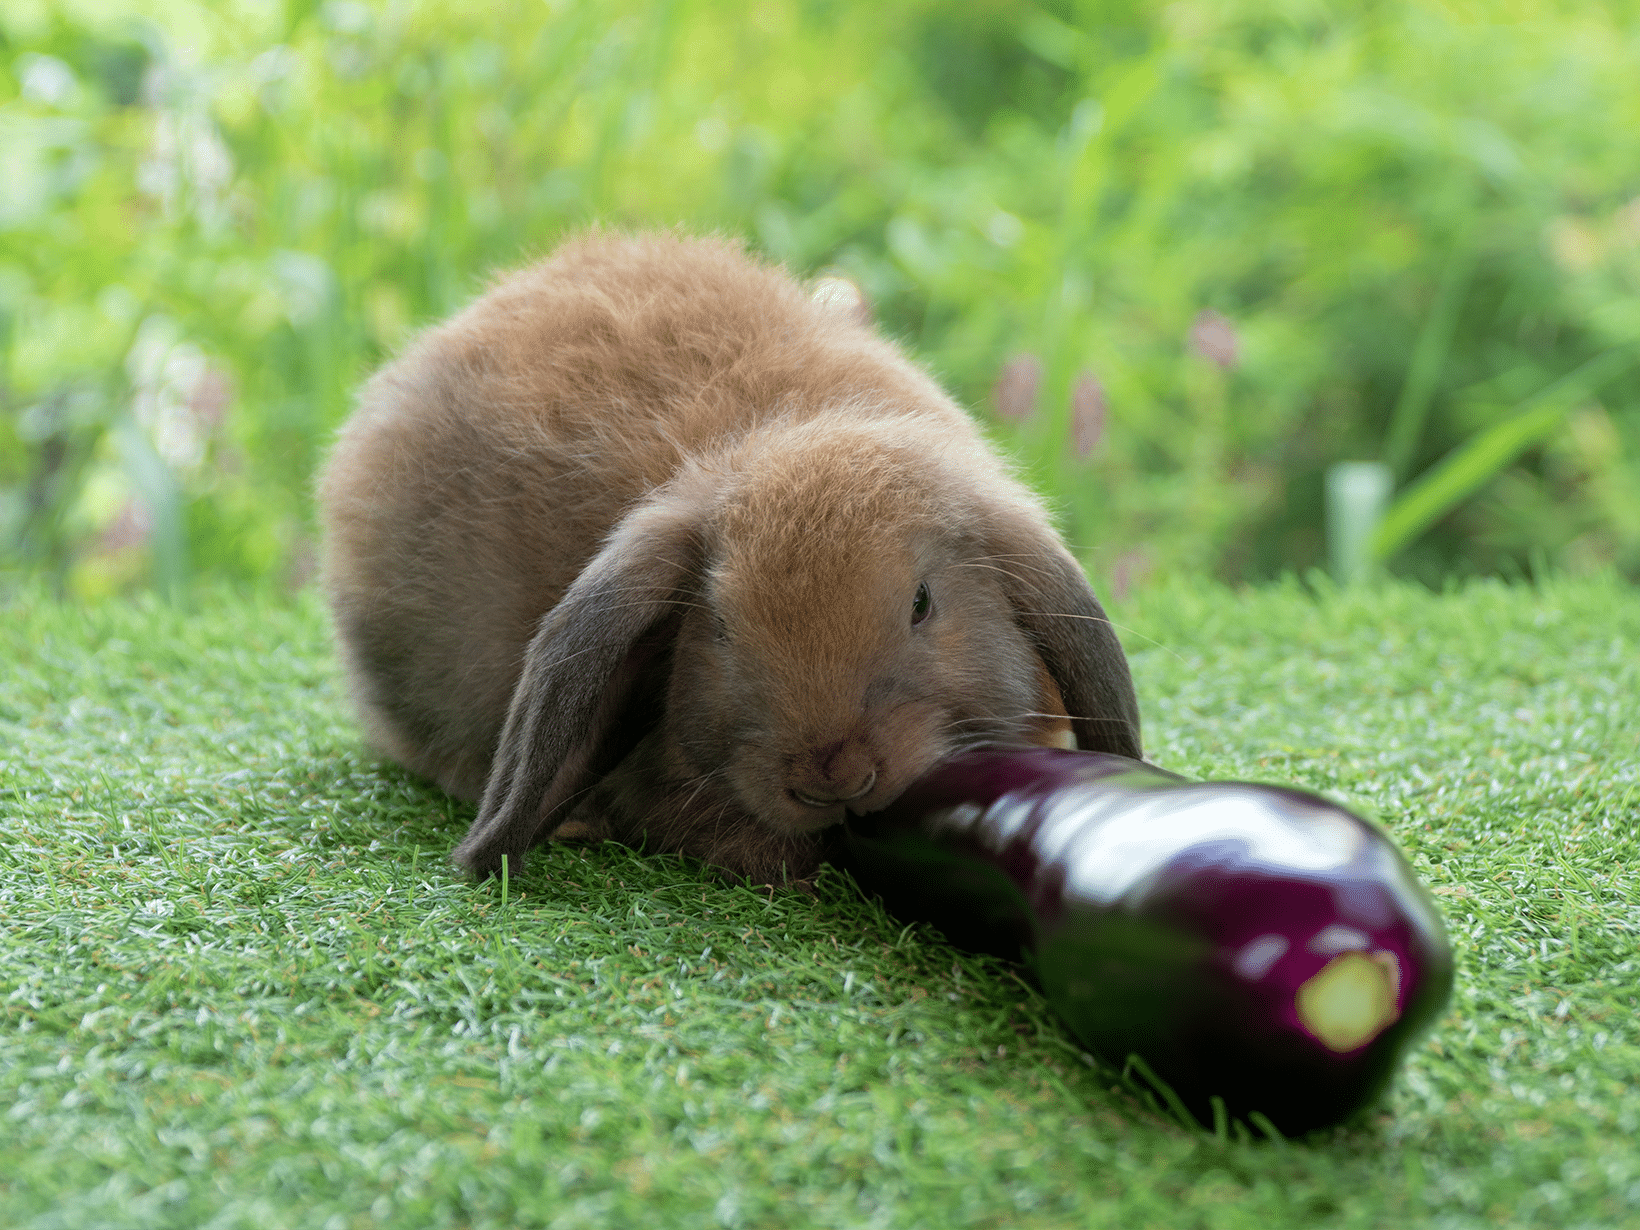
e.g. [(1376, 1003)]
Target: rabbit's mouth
[(814, 812), (811, 813), (832, 800)]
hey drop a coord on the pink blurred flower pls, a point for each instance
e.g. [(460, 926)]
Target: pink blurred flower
[(1088, 409), (1214, 338), (1130, 568), (1017, 387), (210, 397), (130, 527), (301, 565)]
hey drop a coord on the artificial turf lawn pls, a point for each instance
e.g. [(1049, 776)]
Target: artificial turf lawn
[(243, 987)]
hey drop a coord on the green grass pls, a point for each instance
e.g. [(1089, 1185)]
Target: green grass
[(242, 986)]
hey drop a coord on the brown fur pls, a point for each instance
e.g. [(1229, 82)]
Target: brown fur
[(629, 548)]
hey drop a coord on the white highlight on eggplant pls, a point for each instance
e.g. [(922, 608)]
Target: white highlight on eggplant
[(961, 817), (1257, 956), (1113, 843), (1337, 938)]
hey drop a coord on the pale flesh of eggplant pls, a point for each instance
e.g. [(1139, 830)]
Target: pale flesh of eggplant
[(1250, 943)]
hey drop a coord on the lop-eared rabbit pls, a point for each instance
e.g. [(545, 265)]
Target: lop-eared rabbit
[(647, 544)]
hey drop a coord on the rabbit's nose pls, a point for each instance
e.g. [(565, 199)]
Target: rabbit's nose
[(835, 773)]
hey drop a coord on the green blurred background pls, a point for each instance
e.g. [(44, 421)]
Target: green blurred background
[(1179, 258)]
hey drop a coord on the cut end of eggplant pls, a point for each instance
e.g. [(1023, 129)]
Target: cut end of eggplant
[(1255, 945), (1351, 1001)]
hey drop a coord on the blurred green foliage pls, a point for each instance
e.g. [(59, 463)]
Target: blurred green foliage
[(1181, 258)]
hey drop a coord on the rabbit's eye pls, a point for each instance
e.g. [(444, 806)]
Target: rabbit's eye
[(921, 605)]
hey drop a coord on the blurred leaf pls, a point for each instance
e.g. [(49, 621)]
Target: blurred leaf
[(157, 487), (1434, 343), (1482, 458)]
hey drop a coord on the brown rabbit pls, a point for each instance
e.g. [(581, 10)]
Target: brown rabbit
[(647, 544)]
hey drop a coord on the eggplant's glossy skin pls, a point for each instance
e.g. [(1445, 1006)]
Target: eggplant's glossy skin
[(1251, 942)]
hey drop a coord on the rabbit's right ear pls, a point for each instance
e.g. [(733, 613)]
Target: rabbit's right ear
[(1057, 609), (579, 671)]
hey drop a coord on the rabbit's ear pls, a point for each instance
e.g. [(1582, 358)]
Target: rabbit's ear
[(619, 616), (1056, 607)]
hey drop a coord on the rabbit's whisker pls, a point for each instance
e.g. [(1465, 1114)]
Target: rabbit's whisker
[(1111, 623), (700, 784), (1019, 560)]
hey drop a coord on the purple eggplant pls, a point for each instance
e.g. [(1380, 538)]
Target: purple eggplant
[(1249, 943)]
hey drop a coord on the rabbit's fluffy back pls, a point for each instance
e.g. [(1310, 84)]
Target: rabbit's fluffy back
[(484, 467)]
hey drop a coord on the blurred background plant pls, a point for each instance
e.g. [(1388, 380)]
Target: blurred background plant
[(1180, 259)]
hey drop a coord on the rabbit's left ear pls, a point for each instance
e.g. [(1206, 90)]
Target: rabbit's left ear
[(1054, 604), (579, 674)]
